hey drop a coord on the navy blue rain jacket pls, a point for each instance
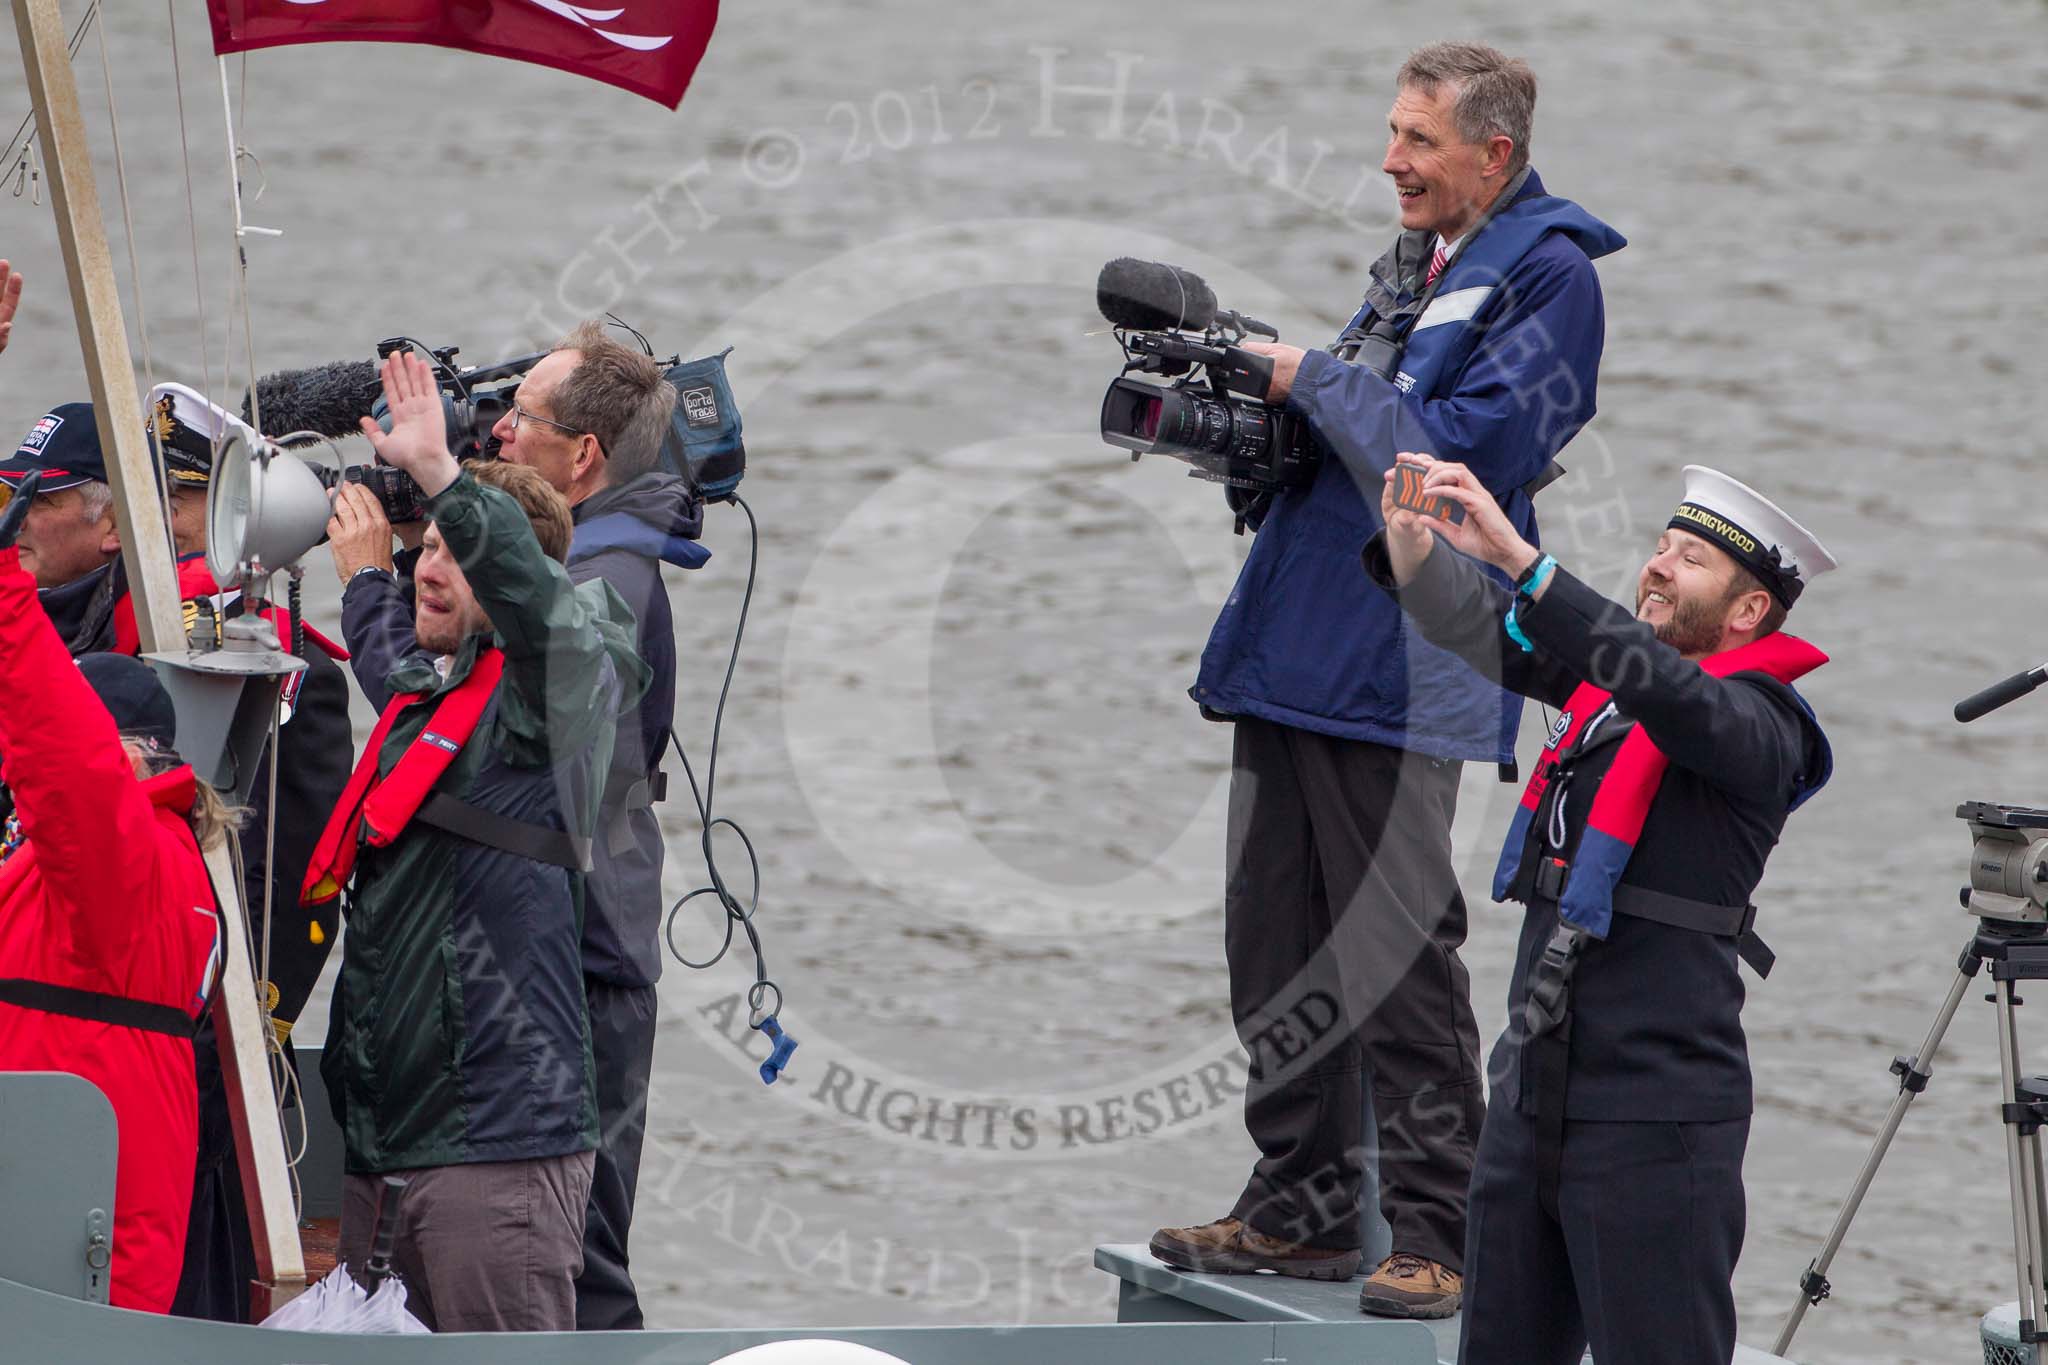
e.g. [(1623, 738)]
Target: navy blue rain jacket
[(623, 536), (1498, 374)]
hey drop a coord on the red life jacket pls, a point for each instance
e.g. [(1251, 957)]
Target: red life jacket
[(377, 809), (1623, 802)]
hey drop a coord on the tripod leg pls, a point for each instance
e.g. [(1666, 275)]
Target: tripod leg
[(2022, 1158), (1913, 1073), (2040, 1218)]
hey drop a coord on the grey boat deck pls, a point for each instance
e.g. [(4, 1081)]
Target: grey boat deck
[(1148, 1290), (57, 1146)]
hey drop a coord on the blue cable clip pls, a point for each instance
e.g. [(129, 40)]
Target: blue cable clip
[(785, 1044)]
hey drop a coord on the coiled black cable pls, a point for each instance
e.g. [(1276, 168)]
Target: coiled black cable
[(735, 913)]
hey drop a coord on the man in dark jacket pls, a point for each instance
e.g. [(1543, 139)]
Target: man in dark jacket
[(1607, 1204), (1480, 338), (590, 417), (76, 557), (458, 1046)]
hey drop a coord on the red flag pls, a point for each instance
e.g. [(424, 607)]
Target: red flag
[(650, 47)]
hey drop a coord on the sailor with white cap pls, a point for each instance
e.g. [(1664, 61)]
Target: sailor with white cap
[(1607, 1202)]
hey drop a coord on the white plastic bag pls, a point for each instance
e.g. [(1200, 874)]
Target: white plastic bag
[(338, 1304)]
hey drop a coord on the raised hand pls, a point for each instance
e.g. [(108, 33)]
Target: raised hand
[(1486, 533), (10, 297), (1409, 534), (418, 439)]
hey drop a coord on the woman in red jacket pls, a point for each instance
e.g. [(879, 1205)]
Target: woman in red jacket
[(108, 933)]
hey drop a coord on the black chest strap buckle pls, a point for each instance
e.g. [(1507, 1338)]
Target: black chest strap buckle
[(1550, 981)]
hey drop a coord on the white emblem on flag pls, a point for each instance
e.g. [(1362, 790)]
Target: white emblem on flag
[(591, 18), (587, 18)]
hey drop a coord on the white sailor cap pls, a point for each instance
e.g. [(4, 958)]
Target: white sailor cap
[(1756, 532), (186, 429)]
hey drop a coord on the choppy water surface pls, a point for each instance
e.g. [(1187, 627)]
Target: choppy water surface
[(988, 819)]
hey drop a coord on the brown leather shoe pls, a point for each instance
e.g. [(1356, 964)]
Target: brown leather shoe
[(1229, 1247), (1407, 1286)]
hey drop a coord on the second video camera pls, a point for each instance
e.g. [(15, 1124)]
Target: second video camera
[(1169, 325)]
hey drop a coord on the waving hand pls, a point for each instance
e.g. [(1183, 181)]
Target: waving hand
[(418, 439)]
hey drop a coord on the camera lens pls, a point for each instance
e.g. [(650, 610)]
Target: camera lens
[(1148, 419)]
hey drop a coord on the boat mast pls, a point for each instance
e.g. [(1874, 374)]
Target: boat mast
[(153, 588)]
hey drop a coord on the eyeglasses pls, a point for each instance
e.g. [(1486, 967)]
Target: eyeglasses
[(520, 414)]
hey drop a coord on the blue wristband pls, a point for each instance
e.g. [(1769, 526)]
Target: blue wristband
[(1536, 578)]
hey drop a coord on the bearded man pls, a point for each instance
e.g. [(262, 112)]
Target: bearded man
[(1606, 1202)]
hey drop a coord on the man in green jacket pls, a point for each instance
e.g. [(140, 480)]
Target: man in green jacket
[(458, 1049)]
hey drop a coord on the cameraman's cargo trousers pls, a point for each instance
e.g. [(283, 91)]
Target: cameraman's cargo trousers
[(622, 1021), (1342, 923)]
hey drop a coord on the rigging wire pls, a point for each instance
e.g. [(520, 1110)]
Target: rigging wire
[(191, 208), (127, 215), (241, 291), (19, 145), (284, 1079), (163, 487), (241, 252), (734, 912)]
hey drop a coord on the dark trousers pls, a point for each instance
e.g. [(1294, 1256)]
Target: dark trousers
[(1342, 922), (220, 1255), (1638, 1261), (622, 1049)]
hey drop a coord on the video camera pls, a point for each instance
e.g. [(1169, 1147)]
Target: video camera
[(327, 402), (704, 443), (472, 402), (1216, 421)]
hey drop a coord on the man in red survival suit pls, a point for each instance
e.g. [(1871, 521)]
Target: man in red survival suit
[(1607, 1203), (105, 963), (70, 543)]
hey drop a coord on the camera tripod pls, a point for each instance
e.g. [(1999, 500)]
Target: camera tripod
[(2008, 876)]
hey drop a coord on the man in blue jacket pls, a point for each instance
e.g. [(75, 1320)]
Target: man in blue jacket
[(1479, 340), (591, 417)]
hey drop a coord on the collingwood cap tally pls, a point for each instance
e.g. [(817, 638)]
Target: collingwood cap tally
[(1757, 533)]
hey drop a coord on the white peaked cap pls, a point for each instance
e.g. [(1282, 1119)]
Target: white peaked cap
[(186, 429), (1756, 532)]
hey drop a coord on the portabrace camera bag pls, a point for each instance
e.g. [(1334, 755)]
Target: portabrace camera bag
[(704, 443)]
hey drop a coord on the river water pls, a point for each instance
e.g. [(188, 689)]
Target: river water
[(988, 819)]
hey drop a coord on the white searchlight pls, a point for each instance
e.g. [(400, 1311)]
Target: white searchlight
[(264, 509)]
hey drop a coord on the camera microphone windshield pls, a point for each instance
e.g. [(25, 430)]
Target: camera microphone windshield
[(1148, 297), (328, 399)]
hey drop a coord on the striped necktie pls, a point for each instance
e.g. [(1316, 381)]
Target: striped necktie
[(1436, 265)]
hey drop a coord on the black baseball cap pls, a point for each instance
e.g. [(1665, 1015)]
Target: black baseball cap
[(64, 445), (129, 689)]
